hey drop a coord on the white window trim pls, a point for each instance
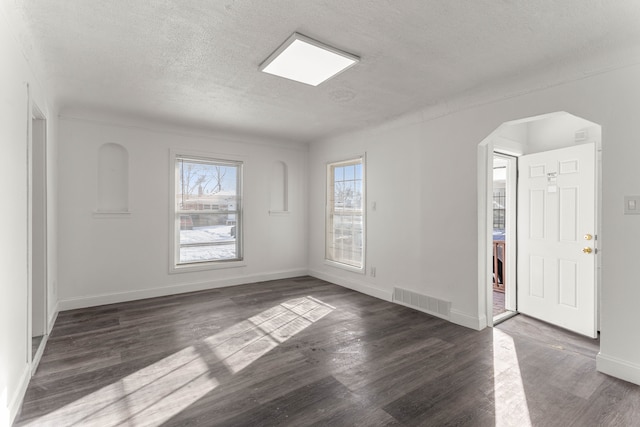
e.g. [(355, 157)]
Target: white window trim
[(347, 267), (174, 232), (336, 264)]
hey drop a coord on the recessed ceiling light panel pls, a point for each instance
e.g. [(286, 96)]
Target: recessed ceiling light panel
[(307, 61)]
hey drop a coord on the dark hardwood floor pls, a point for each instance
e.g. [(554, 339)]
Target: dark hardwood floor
[(305, 352)]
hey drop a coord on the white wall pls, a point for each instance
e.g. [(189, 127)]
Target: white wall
[(15, 74), (560, 132), (422, 178), (422, 175), (104, 260)]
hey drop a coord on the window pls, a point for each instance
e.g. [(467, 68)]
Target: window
[(345, 228), (207, 211)]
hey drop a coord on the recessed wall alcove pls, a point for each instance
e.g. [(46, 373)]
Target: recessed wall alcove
[(113, 180), (279, 189)]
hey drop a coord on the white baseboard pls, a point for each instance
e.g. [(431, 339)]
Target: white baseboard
[(352, 284), (463, 319), (430, 313), (15, 401), (102, 299), (618, 368), (457, 317)]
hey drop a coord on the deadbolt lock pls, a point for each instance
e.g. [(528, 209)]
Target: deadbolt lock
[(588, 237), (587, 250)]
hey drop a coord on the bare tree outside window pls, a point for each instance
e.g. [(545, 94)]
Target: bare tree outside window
[(200, 179)]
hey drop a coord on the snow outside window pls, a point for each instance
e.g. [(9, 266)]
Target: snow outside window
[(345, 228), (208, 211)]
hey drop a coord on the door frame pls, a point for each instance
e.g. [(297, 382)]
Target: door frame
[(35, 114), (510, 269), (486, 150)]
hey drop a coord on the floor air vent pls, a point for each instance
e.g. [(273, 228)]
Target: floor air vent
[(421, 302)]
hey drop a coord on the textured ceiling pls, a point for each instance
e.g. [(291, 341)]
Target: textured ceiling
[(195, 62)]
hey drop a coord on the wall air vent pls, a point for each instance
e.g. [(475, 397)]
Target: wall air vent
[(430, 305)]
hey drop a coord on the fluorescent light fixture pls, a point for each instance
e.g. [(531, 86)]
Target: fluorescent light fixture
[(307, 61)]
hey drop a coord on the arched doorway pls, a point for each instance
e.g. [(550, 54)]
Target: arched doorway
[(558, 133)]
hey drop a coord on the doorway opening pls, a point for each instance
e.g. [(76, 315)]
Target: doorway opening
[(37, 199), (538, 243), (503, 216)]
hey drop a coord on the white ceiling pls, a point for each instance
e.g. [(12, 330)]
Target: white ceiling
[(195, 62)]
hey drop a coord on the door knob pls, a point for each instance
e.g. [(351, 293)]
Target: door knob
[(587, 250), (588, 237)]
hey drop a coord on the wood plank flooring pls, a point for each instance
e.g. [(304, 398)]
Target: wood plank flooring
[(498, 303), (305, 352)]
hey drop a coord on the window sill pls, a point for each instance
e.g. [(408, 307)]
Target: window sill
[(187, 268), (278, 213), (347, 267)]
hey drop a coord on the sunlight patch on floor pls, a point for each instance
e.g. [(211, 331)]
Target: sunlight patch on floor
[(245, 342), (177, 380), (154, 394), (511, 407)]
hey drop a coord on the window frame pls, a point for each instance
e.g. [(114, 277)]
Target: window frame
[(174, 214), (329, 189)]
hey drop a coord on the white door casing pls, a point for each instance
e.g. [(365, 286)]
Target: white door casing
[(556, 215)]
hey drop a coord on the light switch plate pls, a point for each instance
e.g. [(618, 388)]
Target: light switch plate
[(632, 205)]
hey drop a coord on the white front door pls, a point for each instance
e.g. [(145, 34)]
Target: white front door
[(556, 237)]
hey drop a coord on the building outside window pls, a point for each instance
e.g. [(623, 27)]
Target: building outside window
[(345, 216), (207, 211)]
